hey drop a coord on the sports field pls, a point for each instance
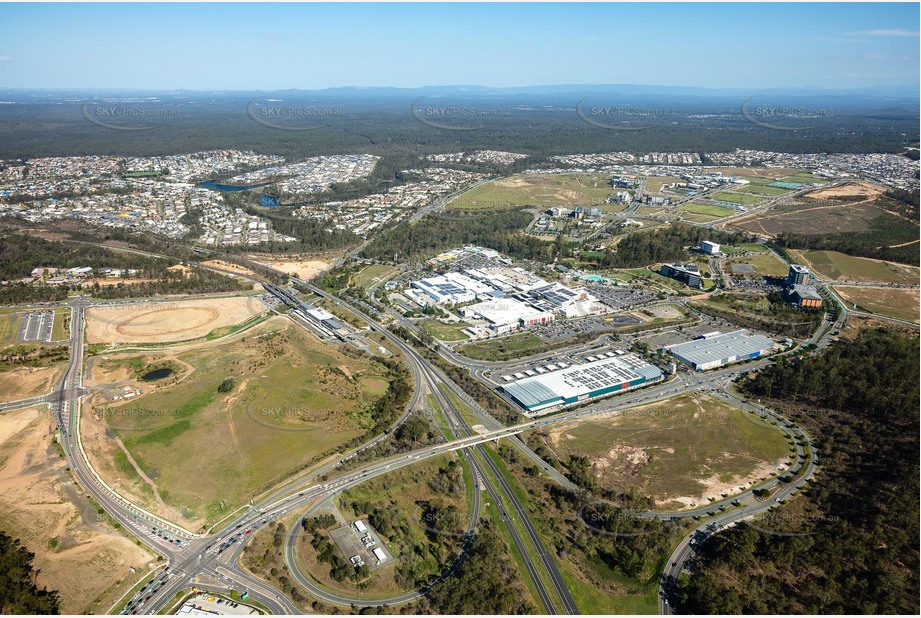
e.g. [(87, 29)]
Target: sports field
[(892, 302), (167, 321), (185, 447), (736, 198), (680, 452), (841, 267), (538, 190), (707, 209), (803, 178), (762, 190), (758, 174)]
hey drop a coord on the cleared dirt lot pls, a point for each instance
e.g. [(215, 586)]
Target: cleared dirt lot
[(857, 188), (229, 266), (304, 269), (168, 321), (75, 553), (29, 381)]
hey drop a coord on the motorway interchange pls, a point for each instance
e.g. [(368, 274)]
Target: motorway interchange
[(210, 561)]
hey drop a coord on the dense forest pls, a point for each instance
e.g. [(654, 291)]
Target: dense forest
[(381, 122), (668, 244), (849, 543), (15, 293), (500, 230), (197, 281), (18, 592), (20, 253), (485, 583)]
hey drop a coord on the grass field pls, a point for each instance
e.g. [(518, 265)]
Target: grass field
[(538, 190), (445, 332), (841, 267), (766, 264), (61, 328), (293, 399), (336, 308), (654, 183), (503, 348), (370, 275), (636, 600), (680, 452), (737, 198), (750, 246), (802, 178), (896, 303), (698, 218), (762, 190), (757, 180), (707, 209), (804, 215), (759, 174), (9, 325)]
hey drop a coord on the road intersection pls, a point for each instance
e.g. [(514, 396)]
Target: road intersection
[(212, 560)]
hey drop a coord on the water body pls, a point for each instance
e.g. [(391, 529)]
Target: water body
[(211, 184), (157, 374)]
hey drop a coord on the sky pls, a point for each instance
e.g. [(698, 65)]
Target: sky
[(313, 46)]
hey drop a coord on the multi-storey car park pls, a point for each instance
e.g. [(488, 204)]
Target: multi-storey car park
[(717, 349), (581, 383)]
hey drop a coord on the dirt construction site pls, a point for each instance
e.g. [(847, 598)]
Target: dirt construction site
[(76, 552), (166, 321)]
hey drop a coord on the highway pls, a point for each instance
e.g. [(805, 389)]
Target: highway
[(212, 560), (191, 556)]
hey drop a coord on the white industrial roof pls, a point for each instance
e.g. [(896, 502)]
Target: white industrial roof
[(738, 343), (581, 379)]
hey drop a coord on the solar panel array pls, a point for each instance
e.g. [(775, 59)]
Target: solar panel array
[(579, 380)]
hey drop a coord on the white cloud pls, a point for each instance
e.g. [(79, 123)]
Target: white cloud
[(886, 32), (5, 58)]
